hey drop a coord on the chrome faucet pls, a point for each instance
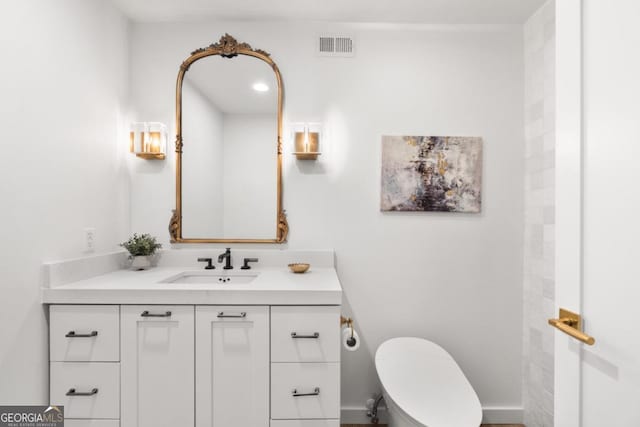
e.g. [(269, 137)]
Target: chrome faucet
[(226, 256)]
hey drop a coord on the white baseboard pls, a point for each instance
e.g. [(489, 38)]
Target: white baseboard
[(358, 415), (502, 415), (490, 415)]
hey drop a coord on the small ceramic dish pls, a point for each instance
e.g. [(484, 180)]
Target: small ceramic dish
[(299, 267)]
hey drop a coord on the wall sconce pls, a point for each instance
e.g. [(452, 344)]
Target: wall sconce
[(148, 140), (306, 138)]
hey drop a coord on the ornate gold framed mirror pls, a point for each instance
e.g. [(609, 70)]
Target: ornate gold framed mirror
[(229, 147)]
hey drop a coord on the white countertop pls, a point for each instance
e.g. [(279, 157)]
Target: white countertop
[(272, 286)]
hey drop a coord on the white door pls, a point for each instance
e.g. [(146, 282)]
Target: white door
[(597, 201), (232, 366), (157, 366)]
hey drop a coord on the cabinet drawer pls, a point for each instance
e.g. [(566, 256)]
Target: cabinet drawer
[(84, 333), (91, 423), (320, 380), (305, 423), (100, 380), (305, 334)]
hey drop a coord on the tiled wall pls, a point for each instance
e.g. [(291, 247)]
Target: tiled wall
[(539, 281)]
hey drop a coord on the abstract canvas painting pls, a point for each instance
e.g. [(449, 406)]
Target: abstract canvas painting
[(431, 173)]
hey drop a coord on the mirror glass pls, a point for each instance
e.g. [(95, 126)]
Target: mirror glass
[(229, 153)]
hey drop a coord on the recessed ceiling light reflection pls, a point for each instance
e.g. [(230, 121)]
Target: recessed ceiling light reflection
[(260, 87)]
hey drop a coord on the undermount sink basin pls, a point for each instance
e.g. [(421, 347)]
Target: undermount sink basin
[(210, 278)]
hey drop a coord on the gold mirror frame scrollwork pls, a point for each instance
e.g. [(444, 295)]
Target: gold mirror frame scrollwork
[(227, 47)]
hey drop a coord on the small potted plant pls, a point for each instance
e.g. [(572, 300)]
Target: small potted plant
[(141, 248)]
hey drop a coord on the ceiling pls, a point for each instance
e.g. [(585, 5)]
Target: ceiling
[(378, 11), (227, 83)]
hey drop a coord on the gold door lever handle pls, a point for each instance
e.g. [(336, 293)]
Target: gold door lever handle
[(571, 324)]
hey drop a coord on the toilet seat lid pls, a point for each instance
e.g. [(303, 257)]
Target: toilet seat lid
[(425, 382)]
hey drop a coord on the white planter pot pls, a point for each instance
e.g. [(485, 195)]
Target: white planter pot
[(141, 262)]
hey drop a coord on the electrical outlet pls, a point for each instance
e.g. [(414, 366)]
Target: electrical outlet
[(89, 239)]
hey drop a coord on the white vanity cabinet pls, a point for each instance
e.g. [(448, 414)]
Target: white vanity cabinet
[(196, 365), (157, 365)]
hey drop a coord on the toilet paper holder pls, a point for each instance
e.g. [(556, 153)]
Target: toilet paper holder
[(347, 321)]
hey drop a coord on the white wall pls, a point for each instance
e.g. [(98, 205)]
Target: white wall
[(539, 219), (64, 88), (452, 278), (203, 166)]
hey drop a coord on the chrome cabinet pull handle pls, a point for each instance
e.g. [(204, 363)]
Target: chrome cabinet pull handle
[(241, 315), (72, 334), (315, 392), (73, 392), (147, 314), (295, 335)]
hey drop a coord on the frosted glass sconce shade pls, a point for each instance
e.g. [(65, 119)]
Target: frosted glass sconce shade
[(148, 140)]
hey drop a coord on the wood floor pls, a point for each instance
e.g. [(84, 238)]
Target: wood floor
[(483, 425)]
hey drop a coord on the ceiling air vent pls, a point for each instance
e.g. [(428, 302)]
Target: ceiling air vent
[(341, 46)]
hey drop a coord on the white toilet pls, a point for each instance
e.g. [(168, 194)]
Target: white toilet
[(424, 386)]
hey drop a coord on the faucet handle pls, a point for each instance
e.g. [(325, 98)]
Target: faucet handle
[(209, 262), (246, 265)]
